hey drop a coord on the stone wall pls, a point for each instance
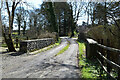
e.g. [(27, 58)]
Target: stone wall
[(31, 45), (91, 48)]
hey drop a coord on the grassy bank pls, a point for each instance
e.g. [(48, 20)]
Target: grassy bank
[(89, 69)]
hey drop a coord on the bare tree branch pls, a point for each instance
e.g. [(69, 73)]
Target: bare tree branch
[(113, 33), (7, 7), (114, 21)]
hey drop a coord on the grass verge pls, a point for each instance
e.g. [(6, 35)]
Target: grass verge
[(4, 45), (63, 50), (89, 69)]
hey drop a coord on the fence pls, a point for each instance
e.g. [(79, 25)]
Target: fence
[(102, 54)]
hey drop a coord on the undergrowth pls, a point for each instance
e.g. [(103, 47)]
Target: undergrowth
[(89, 69)]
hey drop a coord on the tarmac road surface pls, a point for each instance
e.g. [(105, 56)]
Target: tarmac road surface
[(44, 64)]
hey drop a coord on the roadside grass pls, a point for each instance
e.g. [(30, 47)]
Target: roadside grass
[(63, 50), (89, 69), (5, 45), (75, 35)]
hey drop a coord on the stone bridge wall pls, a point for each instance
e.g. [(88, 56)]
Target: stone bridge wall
[(31, 45)]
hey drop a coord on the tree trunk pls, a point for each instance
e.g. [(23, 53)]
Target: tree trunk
[(105, 15), (59, 25), (64, 23), (10, 44), (88, 18), (9, 41), (93, 17), (24, 27), (53, 18), (19, 24), (0, 19), (72, 23)]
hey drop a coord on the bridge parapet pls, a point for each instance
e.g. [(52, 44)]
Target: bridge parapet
[(35, 44), (91, 47)]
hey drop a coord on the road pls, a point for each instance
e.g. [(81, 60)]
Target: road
[(44, 64)]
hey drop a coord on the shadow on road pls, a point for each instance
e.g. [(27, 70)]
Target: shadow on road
[(45, 65), (60, 68), (16, 53), (12, 53)]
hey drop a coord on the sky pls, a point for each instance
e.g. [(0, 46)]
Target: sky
[(36, 4)]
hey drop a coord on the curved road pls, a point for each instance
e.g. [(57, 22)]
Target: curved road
[(44, 64)]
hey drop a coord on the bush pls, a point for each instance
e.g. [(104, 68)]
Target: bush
[(102, 32), (48, 35)]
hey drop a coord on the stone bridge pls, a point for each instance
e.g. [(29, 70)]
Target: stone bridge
[(32, 45)]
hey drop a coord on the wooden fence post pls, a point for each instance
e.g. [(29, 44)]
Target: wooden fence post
[(98, 40), (108, 57), (101, 59), (27, 38)]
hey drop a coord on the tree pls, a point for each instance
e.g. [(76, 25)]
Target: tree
[(62, 12), (65, 15), (0, 18), (72, 21), (76, 10), (47, 9), (52, 16), (36, 22), (104, 12), (107, 14), (19, 17), (92, 12), (9, 41)]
